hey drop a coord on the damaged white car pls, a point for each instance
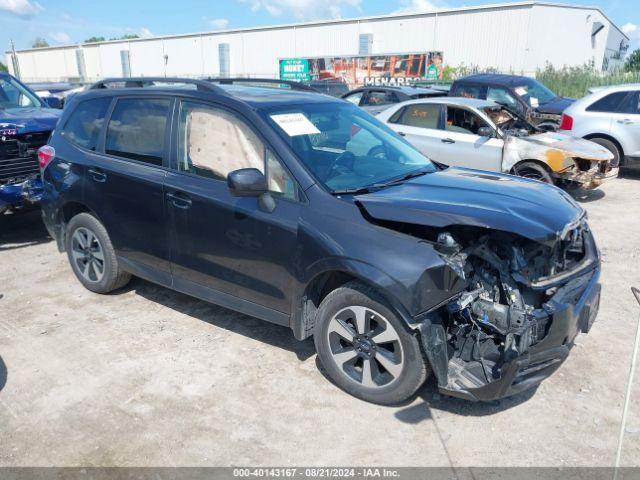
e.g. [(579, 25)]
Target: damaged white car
[(485, 135)]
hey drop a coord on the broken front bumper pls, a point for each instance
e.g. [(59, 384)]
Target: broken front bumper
[(16, 195), (572, 309)]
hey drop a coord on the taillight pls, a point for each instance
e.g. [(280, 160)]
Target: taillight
[(45, 155), (567, 122)]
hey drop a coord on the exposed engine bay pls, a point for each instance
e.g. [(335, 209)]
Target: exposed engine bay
[(505, 308)]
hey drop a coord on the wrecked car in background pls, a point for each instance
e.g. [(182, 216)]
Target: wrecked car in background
[(482, 134), (525, 95), (25, 125)]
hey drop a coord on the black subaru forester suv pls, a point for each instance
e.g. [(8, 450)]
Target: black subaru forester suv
[(303, 210)]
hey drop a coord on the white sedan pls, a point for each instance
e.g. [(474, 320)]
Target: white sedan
[(484, 135)]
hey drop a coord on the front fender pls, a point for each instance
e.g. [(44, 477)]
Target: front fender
[(393, 291)]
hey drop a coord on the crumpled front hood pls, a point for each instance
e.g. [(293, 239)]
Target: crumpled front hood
[(556, 106), (460, 196), (571, 146), (30, 120)]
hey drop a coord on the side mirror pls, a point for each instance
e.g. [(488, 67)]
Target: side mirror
[(486, 132), (52, 102), (247, 182)]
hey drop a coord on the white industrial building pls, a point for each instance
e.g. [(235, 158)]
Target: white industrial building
[(517, 37)]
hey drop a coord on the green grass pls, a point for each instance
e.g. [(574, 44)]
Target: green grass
[(576, 81), (572, 82)]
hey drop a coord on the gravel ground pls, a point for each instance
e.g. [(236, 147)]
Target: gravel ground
[(150, 377)]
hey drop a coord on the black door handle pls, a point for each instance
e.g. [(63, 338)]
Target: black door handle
[(179, 201), (98, 175), (447, 140), (402, 134)]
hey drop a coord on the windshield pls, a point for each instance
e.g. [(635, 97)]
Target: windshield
[(344, 147), (14, 95), (534, 93)]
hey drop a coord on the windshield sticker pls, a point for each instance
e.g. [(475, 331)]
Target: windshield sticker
[(521, 91), (534, 102), (295, 124)]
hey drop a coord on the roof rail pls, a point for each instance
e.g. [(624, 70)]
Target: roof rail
[(141, 82), (292, 84)]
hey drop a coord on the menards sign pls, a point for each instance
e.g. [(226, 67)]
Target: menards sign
[(393, 69)]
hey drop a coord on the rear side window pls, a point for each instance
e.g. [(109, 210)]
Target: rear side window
[(467, 91), (380, 98), (422, 115), (609, 103), (137, 128), (85, 123)]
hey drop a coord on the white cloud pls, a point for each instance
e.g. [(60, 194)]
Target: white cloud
[(145, 32), (303, 9), (629, 28), (416, 6), (21, 8), (219, 23), (60, 37)]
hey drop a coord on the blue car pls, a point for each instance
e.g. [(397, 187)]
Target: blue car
[(26, 122)]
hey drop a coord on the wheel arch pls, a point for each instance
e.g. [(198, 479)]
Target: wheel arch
[(606, 136), (531, 160), (323, 282), (69, 210)]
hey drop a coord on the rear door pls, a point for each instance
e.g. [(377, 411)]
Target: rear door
[(226, 245), (625, 125), (125, 183), (420, 124), (462, 146)]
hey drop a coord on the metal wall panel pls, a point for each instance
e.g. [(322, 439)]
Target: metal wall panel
[(518, 38)]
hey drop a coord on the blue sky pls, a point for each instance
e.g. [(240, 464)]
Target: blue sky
[(70, 21)]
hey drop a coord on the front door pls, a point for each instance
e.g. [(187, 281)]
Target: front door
[(223, 243), (462, 146)]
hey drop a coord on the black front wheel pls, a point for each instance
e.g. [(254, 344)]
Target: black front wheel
[(533, 171), (365, 348)]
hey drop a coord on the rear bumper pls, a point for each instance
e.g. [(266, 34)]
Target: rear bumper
[(573, 309)]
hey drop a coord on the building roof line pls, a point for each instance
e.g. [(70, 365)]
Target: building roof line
[(434, 13)]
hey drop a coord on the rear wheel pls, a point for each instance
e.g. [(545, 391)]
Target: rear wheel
[(533, 171), (91, 255), (612, 147), (365, 348)]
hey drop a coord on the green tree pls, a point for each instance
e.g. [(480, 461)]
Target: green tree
[(125, 37), (94, 39), (3, 67), (39, 43), (633, 62)]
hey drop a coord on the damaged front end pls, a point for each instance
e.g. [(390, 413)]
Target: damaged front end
[(514, 323), (572, 161)]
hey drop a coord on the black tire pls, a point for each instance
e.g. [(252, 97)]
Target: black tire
[(112, 276), (612, 147), (533, 171), (412, 367)]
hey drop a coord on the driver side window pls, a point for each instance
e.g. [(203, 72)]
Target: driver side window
[(462, 120), (213, 143)]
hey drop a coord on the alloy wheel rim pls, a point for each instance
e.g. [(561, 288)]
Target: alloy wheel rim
[(365, 347), (87, 254)]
